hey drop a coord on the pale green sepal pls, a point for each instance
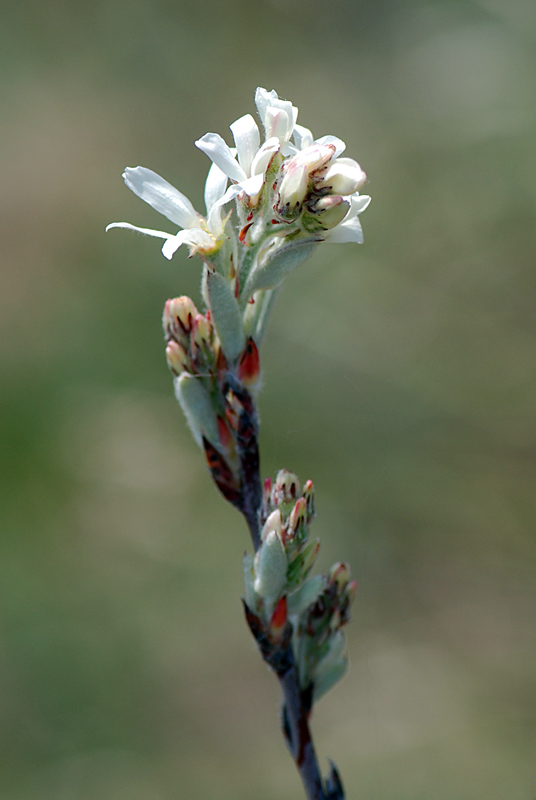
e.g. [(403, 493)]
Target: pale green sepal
[(329, 679), (226, 316), (280, 261), (305, 595), (270, 568), (195, 402)]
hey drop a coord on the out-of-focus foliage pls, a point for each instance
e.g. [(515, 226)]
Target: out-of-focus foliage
[(399, 375)]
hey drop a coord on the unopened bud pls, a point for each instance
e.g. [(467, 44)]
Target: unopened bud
[(339, 575), (201, 331), (293, 187), (177, 357), (309, 494), (330, 210), (297, 517), (273, 523), (178, 316), (343, 176), (286, 488)]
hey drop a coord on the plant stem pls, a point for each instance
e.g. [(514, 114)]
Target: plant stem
[(295, 724)]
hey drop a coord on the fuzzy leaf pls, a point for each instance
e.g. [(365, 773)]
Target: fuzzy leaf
[(226, 316)]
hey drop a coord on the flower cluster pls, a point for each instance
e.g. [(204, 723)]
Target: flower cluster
[(291, 193), (284, 606)]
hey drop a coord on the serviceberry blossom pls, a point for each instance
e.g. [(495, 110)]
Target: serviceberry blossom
[(202, 234), (289, 190)]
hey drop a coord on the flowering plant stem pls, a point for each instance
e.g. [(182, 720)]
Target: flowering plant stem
[(296, 706), (291, 193)]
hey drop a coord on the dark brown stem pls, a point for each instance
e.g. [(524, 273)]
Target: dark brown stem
[(295, 723)]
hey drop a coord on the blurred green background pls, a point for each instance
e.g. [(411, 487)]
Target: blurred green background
[(399, 375)]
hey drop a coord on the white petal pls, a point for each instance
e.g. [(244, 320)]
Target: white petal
[(302, 137), (194, 236), (339, 145), (161, 195), (147, 231), (348, 231), (265, 153), (247, 139), (263, 99), (215, 148), (215, 186), (253, 185), (358, 203)]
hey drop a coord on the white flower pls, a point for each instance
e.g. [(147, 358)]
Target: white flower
[(278, 116), (244, 164), (349, 230), (198, 232)]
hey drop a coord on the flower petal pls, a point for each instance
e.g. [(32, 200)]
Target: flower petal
[(215, 148), (194, 237), (147, 231), (215, 186), (247, 139), (358, 203), (161, 195), (302, 137), (348, 231), (337, 143)]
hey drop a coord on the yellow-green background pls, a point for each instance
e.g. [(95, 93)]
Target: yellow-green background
[(399, 375)]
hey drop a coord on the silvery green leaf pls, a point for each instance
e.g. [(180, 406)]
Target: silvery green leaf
[(278, 262), (197, 407), (305, 595), (270, 568), (328, 679), (226, 316)]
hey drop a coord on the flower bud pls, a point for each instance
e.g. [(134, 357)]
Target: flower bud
[(330, 210), (273, 523), (297, 518), (309, 494), (339, 575), (177, 357), (286, 488), (343, 176), (178, 316), (293, 187), (201, 332)]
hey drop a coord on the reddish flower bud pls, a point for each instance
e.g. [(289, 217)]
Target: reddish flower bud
[(177, 357)]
